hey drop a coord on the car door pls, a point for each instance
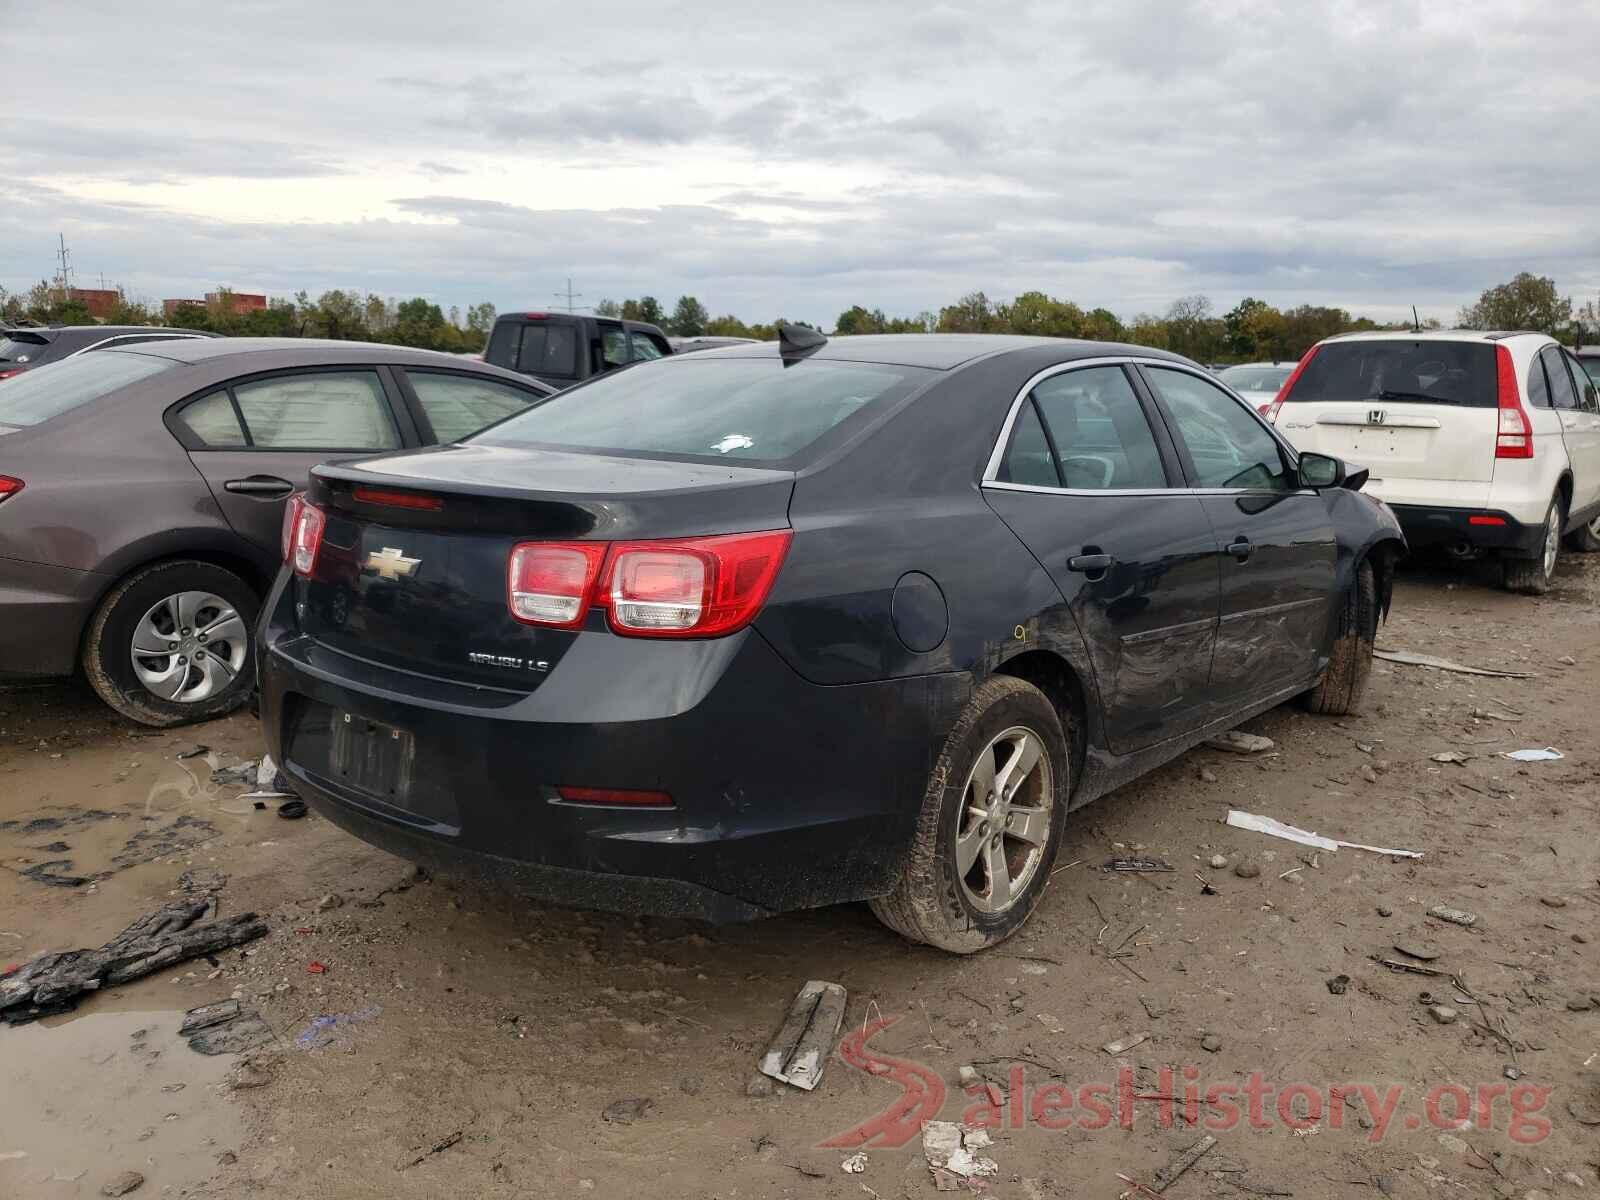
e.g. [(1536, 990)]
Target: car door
[(1580, 426), (256, 439), (1092, 486), (1276, 546), (450, 405)]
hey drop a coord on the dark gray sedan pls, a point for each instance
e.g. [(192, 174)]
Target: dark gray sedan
[(142, 490)]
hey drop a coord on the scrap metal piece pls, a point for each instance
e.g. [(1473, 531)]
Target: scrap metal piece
[(800, 1050)]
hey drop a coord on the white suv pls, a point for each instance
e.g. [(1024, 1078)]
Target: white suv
[(1480, 442)]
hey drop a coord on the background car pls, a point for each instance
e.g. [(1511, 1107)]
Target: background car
[(26, 347), (562, 349), (1589, 356), (1258, 383), (142, 492), (784, 625), (1483, 443), (688, 345)]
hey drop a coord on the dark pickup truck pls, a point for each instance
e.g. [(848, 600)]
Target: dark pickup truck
[(562, 349)]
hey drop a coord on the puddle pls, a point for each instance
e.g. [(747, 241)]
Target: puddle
[(89, 1096)]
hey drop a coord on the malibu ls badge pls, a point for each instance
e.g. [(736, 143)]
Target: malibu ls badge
[(391, 563), (483, 659)]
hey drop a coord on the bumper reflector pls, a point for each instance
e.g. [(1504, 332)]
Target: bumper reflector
[(623, 796)]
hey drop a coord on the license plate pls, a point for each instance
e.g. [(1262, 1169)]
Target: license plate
[(372, 757)]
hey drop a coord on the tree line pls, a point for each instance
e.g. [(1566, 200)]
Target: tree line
[(1251, 331)]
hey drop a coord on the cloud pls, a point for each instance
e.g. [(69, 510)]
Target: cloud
[(1117, 152)]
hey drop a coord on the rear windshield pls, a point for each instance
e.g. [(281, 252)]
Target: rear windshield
[(535, 349), (55, 388), (21, 347), (1460, 373), (1255, 379), (751, 409)]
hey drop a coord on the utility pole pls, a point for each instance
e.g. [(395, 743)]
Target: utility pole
[(64, 264), (570, 296)]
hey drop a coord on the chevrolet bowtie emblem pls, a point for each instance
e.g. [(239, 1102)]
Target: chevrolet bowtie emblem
[(390, 563)]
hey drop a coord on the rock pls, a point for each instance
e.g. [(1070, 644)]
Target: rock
[(331, 900), (1421, 951), (123, 1184), (1573, 1178), (1566, 660), (1211, 1043), (1339, 984), (854, 1165), (1385, 911), (1443, 1013), (1206, 775), (1453, 1144), (1581, 939), (1368, 773), (968, 1077), (227, 1158), (1580, 1004), (626, 1112), (1237, 742), (1384, 1183), (758, 1087), (1456, 916), (1247, 870), (1219, 861), (1552, 901), (691, 1085)]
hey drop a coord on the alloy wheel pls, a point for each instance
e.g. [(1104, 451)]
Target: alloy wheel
[(1552, 540), (1003, 824), (1594, 528), (189, 646)]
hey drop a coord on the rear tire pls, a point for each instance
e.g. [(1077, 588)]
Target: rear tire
[(1009, 735), (1585, 539), (1532, 576), (207, 668), (1350, 665)]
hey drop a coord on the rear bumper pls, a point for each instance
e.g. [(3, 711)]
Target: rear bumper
[(42, 613), (786, 794), (1427, 527)]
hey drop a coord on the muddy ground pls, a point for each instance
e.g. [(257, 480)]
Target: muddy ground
[(461, 1043)]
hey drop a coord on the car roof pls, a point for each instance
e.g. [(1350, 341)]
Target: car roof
[(265, 354), (936, 351), (1437, 335)]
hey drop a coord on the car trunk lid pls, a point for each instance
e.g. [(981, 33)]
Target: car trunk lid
[(1422, 409), (412, 568)]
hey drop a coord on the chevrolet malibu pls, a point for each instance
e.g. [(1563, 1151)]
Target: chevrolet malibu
[(784, 625)]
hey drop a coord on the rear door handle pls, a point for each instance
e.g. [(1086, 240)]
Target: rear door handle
[(1090, 563), (1240, 548), (263, 487)]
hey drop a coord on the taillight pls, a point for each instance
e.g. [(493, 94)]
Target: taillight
[(303, 523), (1514, 438), (685, 587), (9, 487), (696, 587), (1270, 412), (550, 583), (11, 372)]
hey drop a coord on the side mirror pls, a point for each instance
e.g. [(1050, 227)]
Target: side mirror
[(1320, 471)]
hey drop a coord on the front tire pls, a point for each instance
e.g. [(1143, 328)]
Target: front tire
[(990, 824), (170, 644), (1585, 539), (1350, 664), (1532, 576)]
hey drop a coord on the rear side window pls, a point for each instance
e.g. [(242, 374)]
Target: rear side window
[(1255, 379), (549, 350), (322, 410), (613, 347), (752, 409), (55, 388), (644, 347), (459, 405), (1562, 394), (1424, 371), (1538, 385), (214, 422), (1101, 437), (1029, 460)]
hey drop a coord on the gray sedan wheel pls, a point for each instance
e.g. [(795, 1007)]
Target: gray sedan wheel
[(170, 644)]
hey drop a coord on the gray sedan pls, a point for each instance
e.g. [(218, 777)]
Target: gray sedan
[(142, 494)]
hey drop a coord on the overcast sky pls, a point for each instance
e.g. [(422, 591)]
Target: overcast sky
[(798, 158)]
